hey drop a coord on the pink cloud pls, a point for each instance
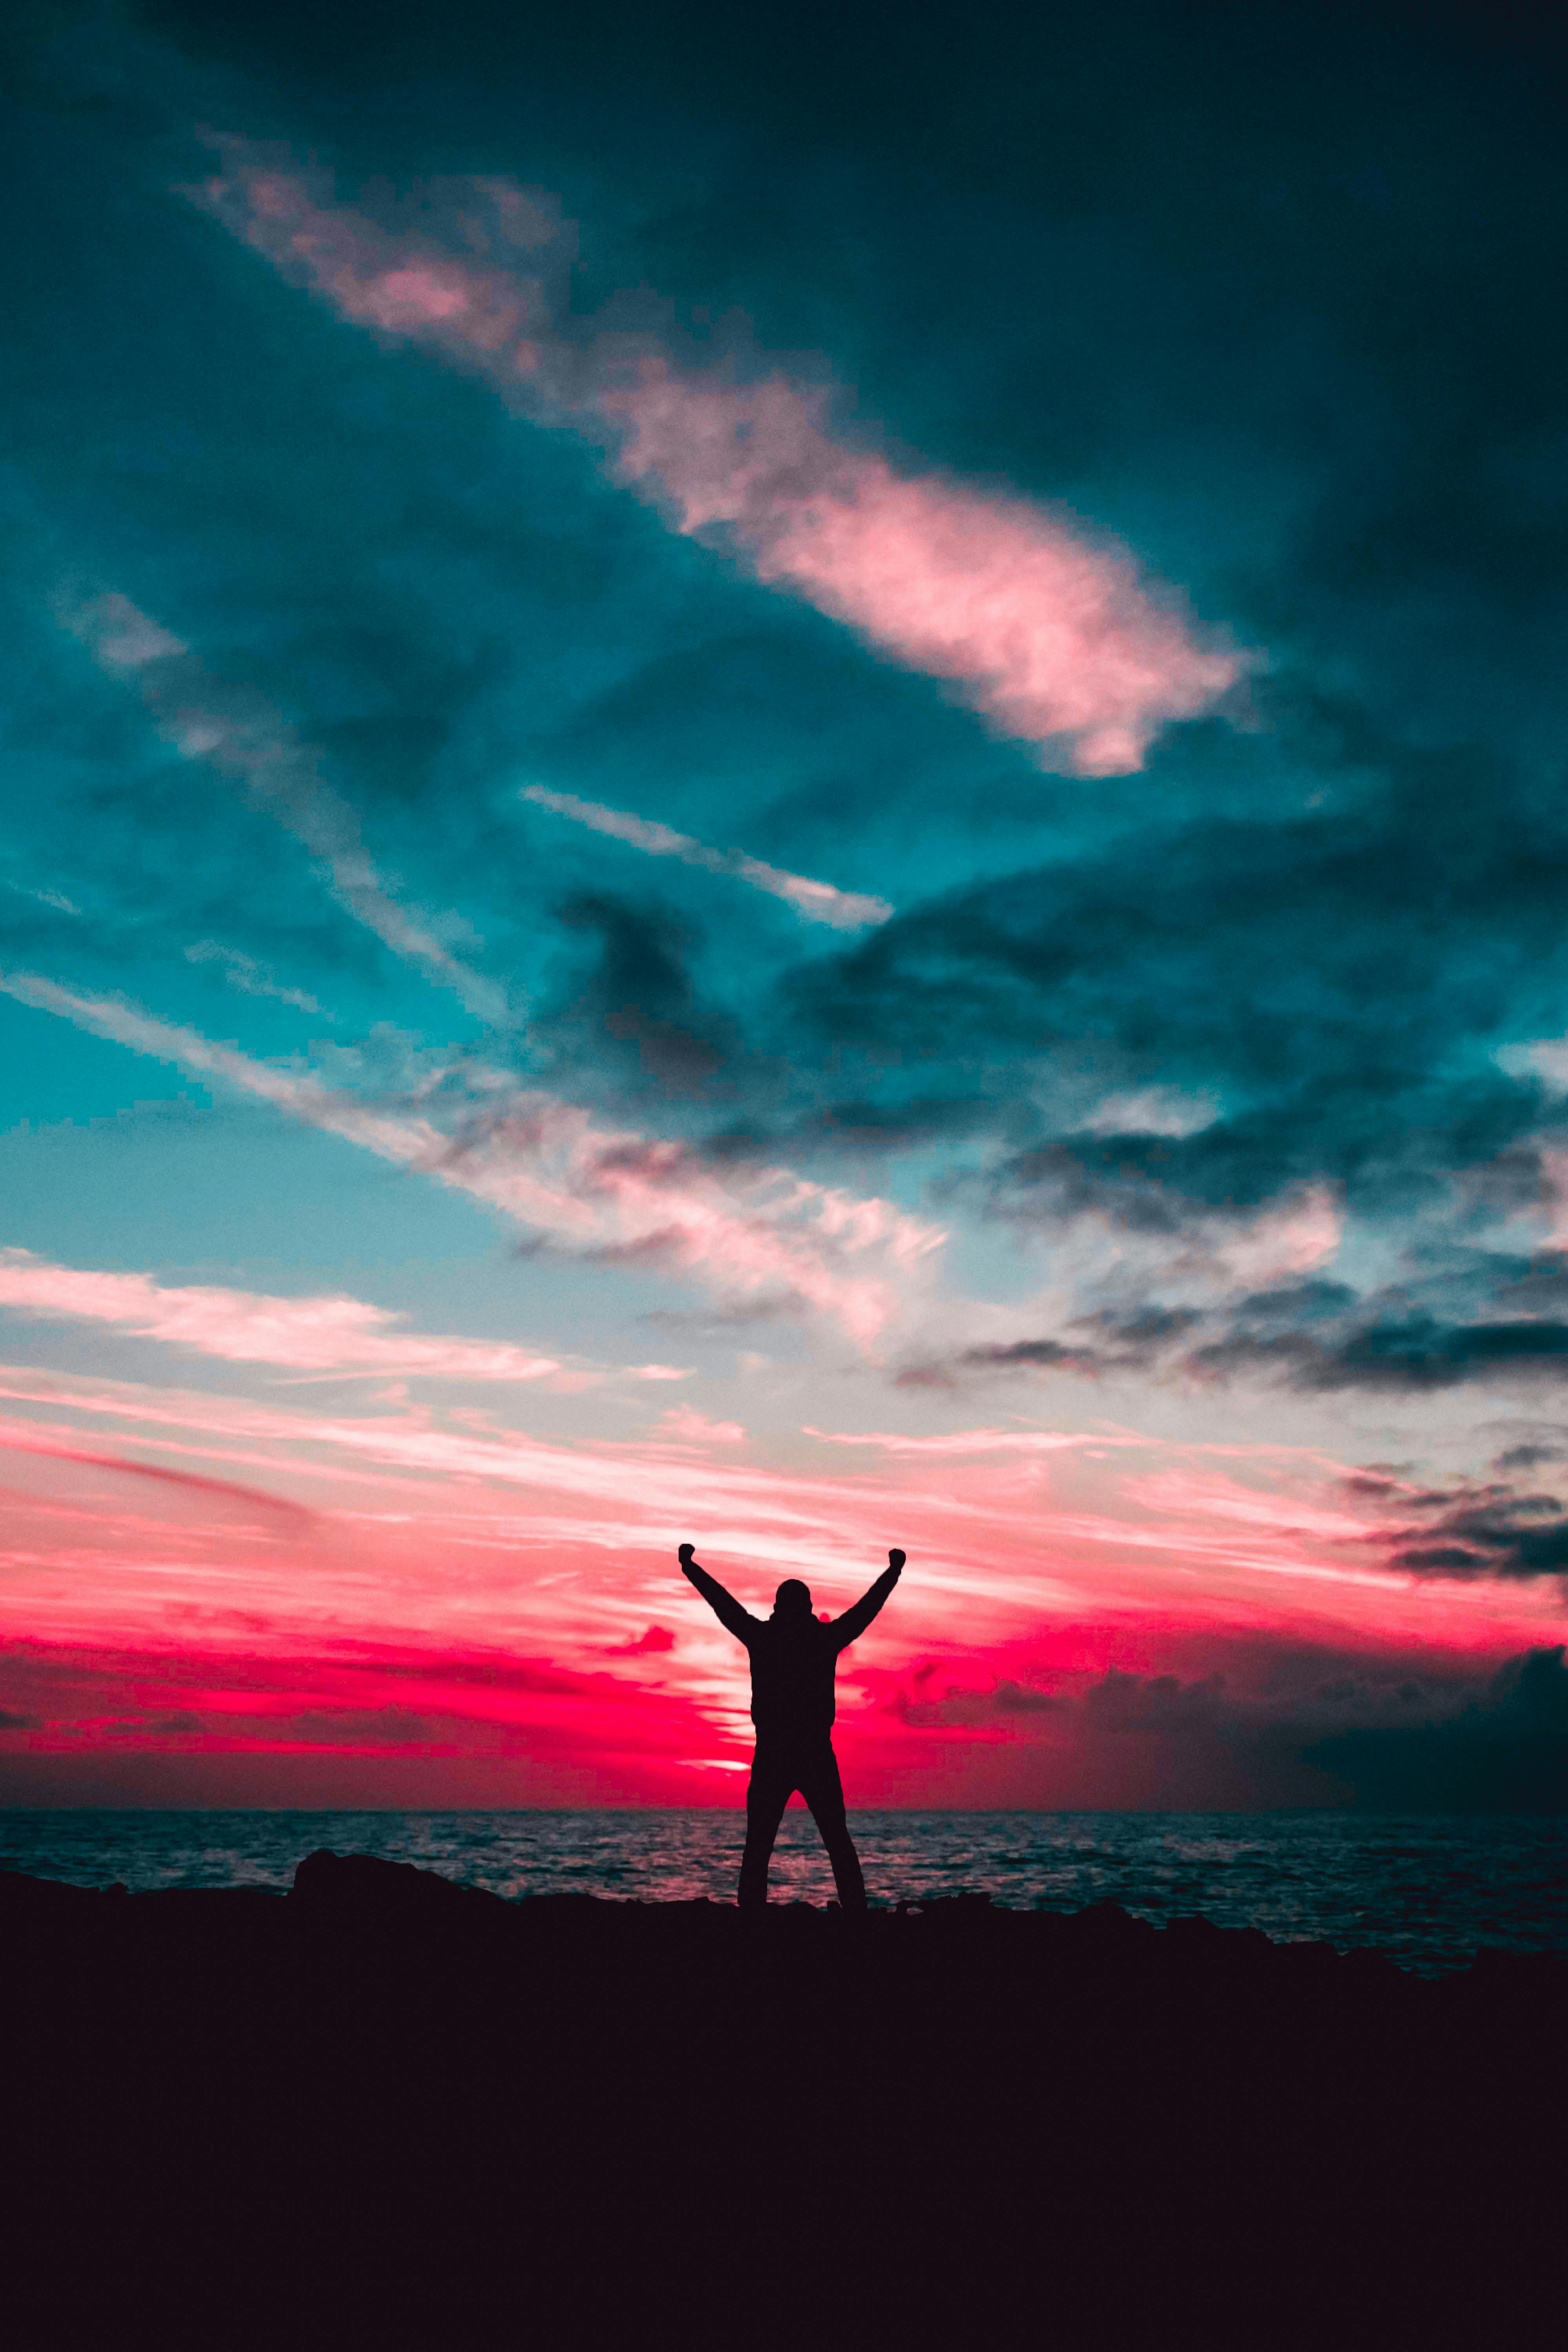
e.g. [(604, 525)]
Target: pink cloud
[(760, 1235), (690, 1427), (820, 902), (306, 1335), (227, 1489), (1047, 630), (1186, 1494), (1282, 1241), (1554, 1202), (1052, 636), (656, 1643), (972, 1441)]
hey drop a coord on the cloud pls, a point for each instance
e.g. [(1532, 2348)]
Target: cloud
[(238, 731), (657, 1643), (1052, 634), (755, 1234), (818, 902), (758, 1236), (637, 1008), (1054, 640), (1170, 1279), (683, 1422), (1009, 1356), (335, 1334), (56, 900), (1529, 1456), (250, 978), (1505, 1750), (20, 1441), (1264, 1001), (1270, 1721), (1413, 1355), (221, 1700), (973, 1441), (1472, 1528)]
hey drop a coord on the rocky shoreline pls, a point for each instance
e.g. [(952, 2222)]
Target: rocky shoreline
[(385, 2108)]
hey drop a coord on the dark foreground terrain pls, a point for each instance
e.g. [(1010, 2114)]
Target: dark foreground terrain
[(383, 2109)]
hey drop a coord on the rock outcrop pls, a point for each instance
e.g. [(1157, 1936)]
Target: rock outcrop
[(383, 2109)]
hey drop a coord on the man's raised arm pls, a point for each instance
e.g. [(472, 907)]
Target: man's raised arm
[(854, 1622), (724, 1605)]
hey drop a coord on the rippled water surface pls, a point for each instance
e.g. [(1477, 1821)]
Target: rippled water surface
[(1426, 1890)]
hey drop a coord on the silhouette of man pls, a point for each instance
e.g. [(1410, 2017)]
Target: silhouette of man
[(793, 1657)]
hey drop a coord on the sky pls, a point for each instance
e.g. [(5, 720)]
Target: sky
[(801, 789)]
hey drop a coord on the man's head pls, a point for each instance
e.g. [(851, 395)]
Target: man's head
[(792, 1599)]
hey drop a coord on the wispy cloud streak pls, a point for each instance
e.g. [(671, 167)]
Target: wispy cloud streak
[(1052, 634), (820, 902), (250, 978), (20, 1441), (240, 733), (762, 1236), (305, 1334)]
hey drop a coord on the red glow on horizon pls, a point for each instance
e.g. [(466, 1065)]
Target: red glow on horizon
[(467, 1617)]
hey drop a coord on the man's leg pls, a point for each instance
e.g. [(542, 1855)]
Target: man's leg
[(822, 1789), (767, 1794)]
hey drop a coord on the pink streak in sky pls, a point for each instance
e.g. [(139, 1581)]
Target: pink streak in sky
[(1050, 635), (820, 902), (1044, 628), (18, 1441), (306, 1335)]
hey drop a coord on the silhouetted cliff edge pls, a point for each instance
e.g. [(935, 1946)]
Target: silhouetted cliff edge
[(386, 2109)]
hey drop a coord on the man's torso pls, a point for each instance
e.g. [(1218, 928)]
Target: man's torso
[(793, 1671)]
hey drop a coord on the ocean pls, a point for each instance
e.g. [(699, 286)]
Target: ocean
[(1426, 1890)]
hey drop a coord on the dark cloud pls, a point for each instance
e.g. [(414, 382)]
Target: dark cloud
[(1486, 1530), (1505, 1750), (862, 1128), (1279, 1724), (932, 1698), (721, 1321), (1017, 1699), (1315, 1337), (1031, 1355), (637, 1004), (1468, 1527), (1529, 1456), (1107, 1343), (655, 1643), (1411, 1356), (1318, 971)]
